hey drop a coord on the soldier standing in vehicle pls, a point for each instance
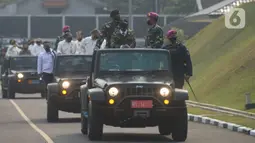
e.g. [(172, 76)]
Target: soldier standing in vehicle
[(181, 61), (25, 50), (66, 29), (123, 36), (154, 38), (108, 29)]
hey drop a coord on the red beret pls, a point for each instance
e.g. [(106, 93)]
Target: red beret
[(171, 33), (66, 28)]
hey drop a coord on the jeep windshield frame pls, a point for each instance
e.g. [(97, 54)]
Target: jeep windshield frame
[(72, 65), (21, 63), (160, 54)]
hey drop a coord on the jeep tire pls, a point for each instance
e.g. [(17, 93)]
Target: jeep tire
[(43, 94), (84, 125), (52, 111), (165, 128), (180, 127), (10, 92), (95, 122), (4, 92)]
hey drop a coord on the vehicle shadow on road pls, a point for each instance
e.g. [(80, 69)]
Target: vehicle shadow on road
[(61, 120), (115, 137), (134, 137)]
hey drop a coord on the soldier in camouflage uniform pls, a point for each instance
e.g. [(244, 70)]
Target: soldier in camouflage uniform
[(123, 36), (108, 29), (65, 30), (154, 38)]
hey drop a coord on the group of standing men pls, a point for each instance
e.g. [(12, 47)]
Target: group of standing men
[(116, 34), (31, 47)]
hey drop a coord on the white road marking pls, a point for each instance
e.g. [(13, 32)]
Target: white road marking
[(42, 133)]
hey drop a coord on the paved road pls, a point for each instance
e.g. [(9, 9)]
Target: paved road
[(15, 129)]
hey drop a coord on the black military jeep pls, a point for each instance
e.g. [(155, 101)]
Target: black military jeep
[(19, 75), (133, 88), (70, 72)]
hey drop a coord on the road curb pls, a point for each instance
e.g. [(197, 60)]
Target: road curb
[(221, 124)]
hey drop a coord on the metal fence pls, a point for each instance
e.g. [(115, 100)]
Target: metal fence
[(50, 26)]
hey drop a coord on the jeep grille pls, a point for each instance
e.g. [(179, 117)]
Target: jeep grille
[(141, 91)]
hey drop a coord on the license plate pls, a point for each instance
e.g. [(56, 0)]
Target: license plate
[(33, 81), (141, 104)]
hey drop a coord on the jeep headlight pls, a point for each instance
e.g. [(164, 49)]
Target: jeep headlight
[(113, 91), (164, 92), (65, 84), (20, 75)]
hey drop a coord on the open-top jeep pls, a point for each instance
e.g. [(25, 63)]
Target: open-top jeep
[(70, 72), (19, 75), (133, 88)]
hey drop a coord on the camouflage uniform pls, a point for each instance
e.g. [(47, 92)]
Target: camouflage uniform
[(119, 39), (154, 38), (59, 38), (106, 33), (108, 29)]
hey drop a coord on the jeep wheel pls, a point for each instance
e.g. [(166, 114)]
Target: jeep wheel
[(10, 93), (43, 94), (165, 129), (52, 112), (95, 123), (180, 127), (4, 93), (84, 125)]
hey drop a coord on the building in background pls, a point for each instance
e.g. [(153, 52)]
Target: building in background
[(44, 7)]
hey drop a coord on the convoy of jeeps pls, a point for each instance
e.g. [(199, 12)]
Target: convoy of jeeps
[(115, 87)]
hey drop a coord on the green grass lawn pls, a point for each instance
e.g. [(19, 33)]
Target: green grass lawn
[(224, 117), (224, 62)]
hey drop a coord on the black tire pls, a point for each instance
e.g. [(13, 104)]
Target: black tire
[(165, 129), (84, 125), (95, 123), (52, 112), (10, 93), (43, 94), (4, 93), (180, 127)]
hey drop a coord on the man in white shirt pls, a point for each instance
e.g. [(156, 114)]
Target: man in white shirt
[(91, 41), (12, 50), (67, 46), (37, 48), (80, 45), (31, 44)]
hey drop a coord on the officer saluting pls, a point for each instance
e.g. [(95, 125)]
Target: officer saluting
[(108, 29), (45, 64)]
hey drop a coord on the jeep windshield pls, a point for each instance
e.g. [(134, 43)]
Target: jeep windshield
[(23, 63), (73, 65), (145, 61)]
